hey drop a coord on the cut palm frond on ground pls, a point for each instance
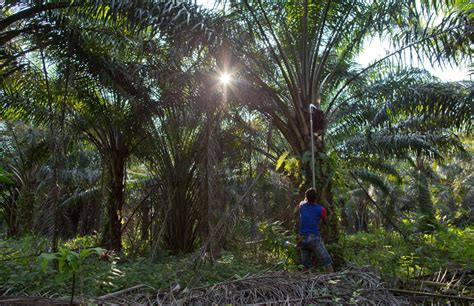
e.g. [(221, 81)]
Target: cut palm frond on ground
[(350, 286)]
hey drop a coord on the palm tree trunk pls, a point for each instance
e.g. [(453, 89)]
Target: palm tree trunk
[(116, 191), (323, 184), (53, 125), (145, 222)]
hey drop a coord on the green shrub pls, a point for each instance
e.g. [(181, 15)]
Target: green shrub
[(34, 274), (422, 254), (268, 243)]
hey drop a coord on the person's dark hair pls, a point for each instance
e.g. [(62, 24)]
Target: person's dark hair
[(311, 195)]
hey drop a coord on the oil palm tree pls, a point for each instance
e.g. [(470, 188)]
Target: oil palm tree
[(24, 154), (183, 156), (415, 121), (88, 42), (303, 53)]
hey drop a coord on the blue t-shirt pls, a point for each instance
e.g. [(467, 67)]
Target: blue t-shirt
[(310, 216)]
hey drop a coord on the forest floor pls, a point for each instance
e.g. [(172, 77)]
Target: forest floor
[(439, 267), (351, 286)]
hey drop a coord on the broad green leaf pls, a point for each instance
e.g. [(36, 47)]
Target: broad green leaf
[(281, 160)]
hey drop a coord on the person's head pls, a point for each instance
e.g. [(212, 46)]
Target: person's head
[(311, 195)]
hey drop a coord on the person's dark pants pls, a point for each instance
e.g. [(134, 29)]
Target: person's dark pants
[(312, 245)]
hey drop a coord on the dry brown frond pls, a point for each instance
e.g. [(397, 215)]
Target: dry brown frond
[(350, 286)]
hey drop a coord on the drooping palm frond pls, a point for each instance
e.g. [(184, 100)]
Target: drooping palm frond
[(394, 115), (406, 94), (152, 16), (375, 164), (388, 144), (433, 105), (80, 197), (444, 41), (168, 17), (372, 178), (115, 41), (23, 95)]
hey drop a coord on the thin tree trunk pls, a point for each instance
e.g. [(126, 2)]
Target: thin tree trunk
[(115, 200), (54, 191), (145, 224)]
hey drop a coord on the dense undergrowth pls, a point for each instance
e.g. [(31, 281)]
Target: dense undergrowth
[(419, 255), (23, 270)]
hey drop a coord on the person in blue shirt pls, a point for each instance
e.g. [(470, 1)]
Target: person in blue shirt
[(311, 243)]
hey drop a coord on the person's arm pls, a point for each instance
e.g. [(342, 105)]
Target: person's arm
[(323, 216)]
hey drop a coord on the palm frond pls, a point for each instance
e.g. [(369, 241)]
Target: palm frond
[(375, 165), (372, 178), (393, 145), (445, 41), (80, 197)]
